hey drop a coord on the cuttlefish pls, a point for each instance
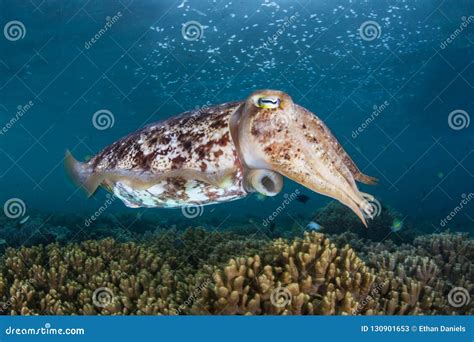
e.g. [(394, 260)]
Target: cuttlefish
[(223, 153)]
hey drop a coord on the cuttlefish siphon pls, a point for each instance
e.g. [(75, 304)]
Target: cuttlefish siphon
[(223, 153)]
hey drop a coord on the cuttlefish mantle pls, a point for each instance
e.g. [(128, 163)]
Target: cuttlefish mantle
[(223, 153)]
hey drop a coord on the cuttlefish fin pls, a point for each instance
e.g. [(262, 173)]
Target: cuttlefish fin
[(90, 180), (221, 179), (82, 175)]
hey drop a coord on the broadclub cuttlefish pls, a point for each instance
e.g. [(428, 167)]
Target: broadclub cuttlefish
[(223, 153)]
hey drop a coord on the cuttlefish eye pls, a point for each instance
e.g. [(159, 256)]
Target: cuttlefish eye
[(268, 102)]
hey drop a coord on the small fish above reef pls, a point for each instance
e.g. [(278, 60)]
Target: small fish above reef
[(223, 153), (302, 198), (314, 226), (397, 225)]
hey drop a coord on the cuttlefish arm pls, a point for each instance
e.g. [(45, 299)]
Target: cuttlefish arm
[(323, 131), (275, 134)]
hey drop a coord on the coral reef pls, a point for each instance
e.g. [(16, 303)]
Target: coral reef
[(153, 277), (308, 276), (336, 219), (199, 271), (35, 230), (419, 277), (61, 280)]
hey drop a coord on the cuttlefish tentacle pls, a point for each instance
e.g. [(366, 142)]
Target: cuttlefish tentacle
[(223, 153)]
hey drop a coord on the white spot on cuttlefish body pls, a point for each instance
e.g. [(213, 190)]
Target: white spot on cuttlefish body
[(192, 192)]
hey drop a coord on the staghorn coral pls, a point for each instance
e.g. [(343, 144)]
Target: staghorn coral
[(203, 272)]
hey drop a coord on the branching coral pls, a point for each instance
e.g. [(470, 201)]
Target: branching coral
[(155, 277), (312, 276), (55, 280), (202, 272), (421, 276)]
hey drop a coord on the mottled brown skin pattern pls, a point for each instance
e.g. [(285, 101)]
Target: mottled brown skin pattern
[(195, 140)]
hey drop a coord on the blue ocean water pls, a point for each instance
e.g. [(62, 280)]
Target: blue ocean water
[(392, 80)]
